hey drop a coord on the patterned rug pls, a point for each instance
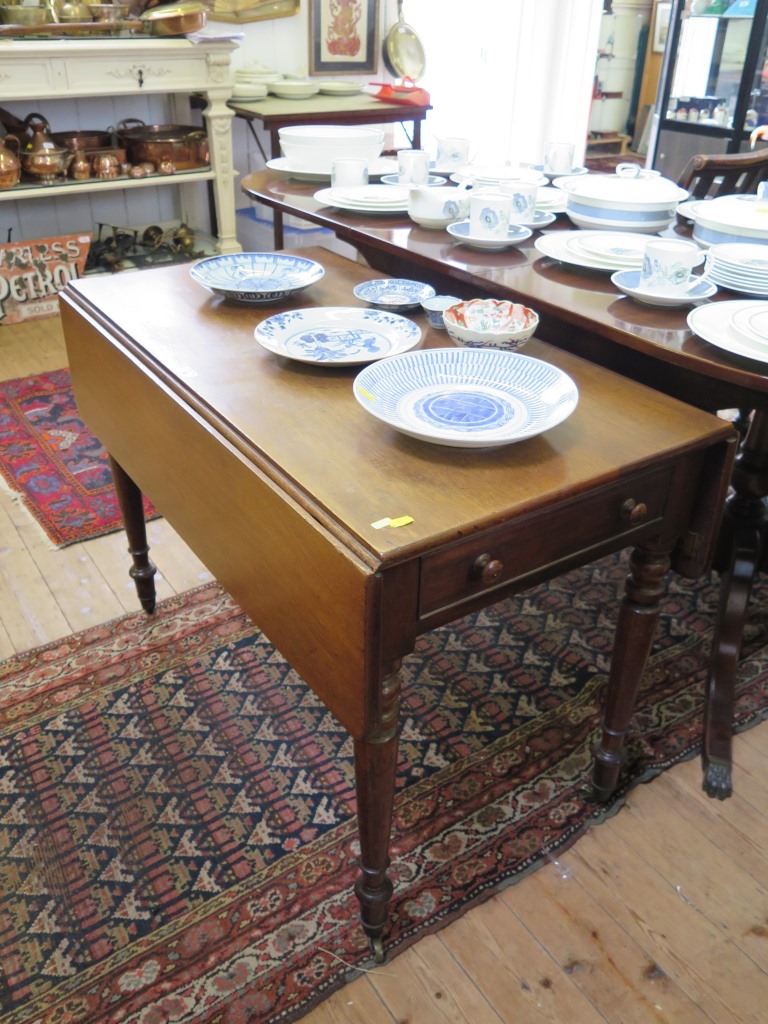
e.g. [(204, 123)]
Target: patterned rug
[(52, 461), (177, 829)]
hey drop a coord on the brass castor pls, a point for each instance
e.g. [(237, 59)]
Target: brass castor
[(377, 948)]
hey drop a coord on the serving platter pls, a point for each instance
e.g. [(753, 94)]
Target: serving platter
[(467, 397), (335, 87), (337, 335), (384, 199), (714, 323), (556, 246)]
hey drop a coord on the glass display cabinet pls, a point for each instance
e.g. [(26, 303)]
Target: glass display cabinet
[(713, 88)]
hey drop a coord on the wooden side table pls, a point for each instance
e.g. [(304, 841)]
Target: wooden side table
[(274, 113), (278, 480)]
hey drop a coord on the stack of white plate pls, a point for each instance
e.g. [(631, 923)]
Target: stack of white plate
[(550, 199), (385, 199), (739, 326), (596, 250), (252, 82), (739, 267), (490, 175)]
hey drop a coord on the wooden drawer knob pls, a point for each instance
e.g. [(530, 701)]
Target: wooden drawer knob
[(487, 569), (634, 511)]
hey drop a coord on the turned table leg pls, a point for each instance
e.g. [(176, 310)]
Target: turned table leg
[(740, 551), (132, 508), (375, 767), (638, 615)]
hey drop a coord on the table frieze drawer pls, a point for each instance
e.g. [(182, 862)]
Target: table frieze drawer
[(496, 558), (126, 74)]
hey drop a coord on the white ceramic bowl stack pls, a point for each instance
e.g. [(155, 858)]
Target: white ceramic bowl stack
[(610, 201), (736, 218), (315, 147), (740, 267)]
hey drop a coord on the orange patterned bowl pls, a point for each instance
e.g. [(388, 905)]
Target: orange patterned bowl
[(490, 323)]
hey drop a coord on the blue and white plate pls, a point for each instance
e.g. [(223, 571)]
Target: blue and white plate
[(628, 281), (394, 293), (466, 397), (337, 335), (393, 179), (256, 277), (515, 235)]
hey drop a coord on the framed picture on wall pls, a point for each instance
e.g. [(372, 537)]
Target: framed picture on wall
[(660, 26), (343, 36)]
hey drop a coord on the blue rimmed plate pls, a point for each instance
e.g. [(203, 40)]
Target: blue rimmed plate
[(394, 179), (466, 397), (256, 277), (394, 293), (337, 335), (515, 235)]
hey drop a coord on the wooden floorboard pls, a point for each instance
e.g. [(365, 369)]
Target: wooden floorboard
[(657, 916)]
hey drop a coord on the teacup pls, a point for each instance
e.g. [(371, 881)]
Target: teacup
[(523, 198), (667, 265), (558, 157), (413, 166), (489, 214), (437, 207), (349, 171), (452, 152), (434, 308)]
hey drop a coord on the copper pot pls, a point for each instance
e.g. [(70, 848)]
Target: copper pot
[(42, 160), (184, 145), (82, 139), (10, 165)]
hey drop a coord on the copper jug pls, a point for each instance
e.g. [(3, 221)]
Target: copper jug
[(10, 165), (42, 160)]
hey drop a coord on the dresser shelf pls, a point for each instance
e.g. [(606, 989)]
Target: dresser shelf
[(73, 68)]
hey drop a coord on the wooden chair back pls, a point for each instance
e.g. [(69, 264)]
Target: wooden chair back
[(709, 175)]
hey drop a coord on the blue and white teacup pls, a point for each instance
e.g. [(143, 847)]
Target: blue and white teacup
[(523, 198), (667, 265), (452, 152), (489, 214)]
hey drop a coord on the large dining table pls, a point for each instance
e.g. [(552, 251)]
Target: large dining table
[(581, 311), (345, 538)]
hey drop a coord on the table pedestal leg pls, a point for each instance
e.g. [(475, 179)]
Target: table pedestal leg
[(740, 551), (638, 615), (132, 508), (375, 767)]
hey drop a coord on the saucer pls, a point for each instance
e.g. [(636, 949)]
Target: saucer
[(628, 281), (395, 294), (540, 219), (515, 235), (393, 179)]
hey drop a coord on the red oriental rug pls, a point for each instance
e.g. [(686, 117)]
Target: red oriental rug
[(52, 461), (177, 819)]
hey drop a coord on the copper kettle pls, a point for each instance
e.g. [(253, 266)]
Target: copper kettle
[(10, 165), (42, 160)]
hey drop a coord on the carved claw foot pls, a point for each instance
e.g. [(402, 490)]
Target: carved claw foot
[(717, 779)]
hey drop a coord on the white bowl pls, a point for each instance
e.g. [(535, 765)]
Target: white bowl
[(490, 323), (315, 147)]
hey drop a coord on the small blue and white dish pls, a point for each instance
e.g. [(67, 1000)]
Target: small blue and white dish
[(434, 308), (466, 397), (395, 294), (628, 281), (259, 278)]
